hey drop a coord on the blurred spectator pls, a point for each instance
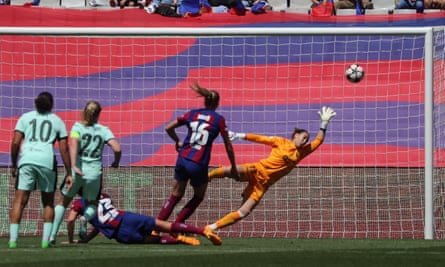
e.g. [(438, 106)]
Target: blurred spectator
[(322, 8), (434, 4), (5, 2), (359, 5), (33, 3), (178, 8), (234, 7), (190, 8), (166, 8), (411, 4), (95, 3), (127, 3), (315, 3), (257, 6)]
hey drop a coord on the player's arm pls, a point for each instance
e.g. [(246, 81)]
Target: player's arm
[(231, 155), (70, 223), (116, 147), (15, 150), (91, 235), (170, 129), (326, 114), (256, 138), (66, 158), (74, 144)]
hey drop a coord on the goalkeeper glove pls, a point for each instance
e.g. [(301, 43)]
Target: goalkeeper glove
[(234, 136), (326, 114)]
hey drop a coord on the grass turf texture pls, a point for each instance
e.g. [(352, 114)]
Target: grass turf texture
[(234, 252)]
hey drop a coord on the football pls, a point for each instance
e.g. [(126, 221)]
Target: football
[(355, 73)]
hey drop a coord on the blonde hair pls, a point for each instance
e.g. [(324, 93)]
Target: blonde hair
[(91, 113)]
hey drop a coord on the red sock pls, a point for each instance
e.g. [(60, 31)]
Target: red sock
[(168, 239), (185, 228), (188, 209), (168, 207)]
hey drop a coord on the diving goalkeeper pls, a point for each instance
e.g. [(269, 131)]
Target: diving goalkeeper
[(261, 175)]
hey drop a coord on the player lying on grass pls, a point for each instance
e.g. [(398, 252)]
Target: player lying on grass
[(261, 175), (132, 228)]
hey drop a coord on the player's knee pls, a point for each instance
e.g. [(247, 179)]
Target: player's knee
[(197, 199), (243, 214)]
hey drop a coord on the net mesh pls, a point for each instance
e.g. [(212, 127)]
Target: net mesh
[(365, 181)]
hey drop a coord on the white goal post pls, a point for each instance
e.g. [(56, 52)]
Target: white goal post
[(378, 174)]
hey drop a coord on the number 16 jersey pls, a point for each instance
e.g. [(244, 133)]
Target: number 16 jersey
[(203, 125)]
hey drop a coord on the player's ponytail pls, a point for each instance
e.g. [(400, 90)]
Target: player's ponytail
[(211, 97), (91, 113)]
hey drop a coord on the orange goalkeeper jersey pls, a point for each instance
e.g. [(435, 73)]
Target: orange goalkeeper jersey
[(283, 157)]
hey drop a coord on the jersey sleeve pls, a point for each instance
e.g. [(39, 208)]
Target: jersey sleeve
[(77, 206), (75, 132), (184, 118), (309, 148), (261, 139), (20, 126), (62, 132), (108, 134)]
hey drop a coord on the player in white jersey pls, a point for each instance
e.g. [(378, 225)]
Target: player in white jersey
[(87, 140), (35, 134)]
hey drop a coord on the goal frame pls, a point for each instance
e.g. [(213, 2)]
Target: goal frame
[(269, 31)]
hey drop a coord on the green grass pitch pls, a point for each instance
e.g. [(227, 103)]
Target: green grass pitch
[(234, 252)]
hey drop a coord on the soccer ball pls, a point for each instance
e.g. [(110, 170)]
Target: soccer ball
[(355, 73)]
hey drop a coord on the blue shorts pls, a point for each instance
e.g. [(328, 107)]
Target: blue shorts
[(33, 177), (188, 170), (134, 228)]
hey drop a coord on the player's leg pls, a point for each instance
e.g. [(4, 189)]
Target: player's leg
[(168, 227), (191, 206), (220, 172), (48, 216), (91, 189), (46, 183), (182, 239), (15, 215), (223, 172), (83, 227), (25, 183), (179, 185), (199, 181), (234, 216), (178, 239), (65, 197), (173, 200), (59, 212)]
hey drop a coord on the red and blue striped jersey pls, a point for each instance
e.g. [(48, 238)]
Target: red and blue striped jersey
[(203, 126), (107, 219)]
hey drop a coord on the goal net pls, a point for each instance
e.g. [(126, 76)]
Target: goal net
[(379, 173)]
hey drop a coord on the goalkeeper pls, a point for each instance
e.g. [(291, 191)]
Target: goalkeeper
[(261, 175)]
